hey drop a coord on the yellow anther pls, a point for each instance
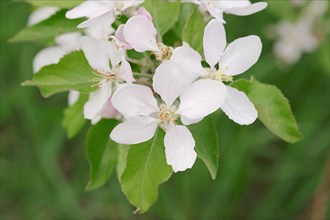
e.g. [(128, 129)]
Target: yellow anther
[(165, 52), (167, 115)]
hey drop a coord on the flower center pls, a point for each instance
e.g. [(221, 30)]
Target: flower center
[(165, 52), (167, 115), (106, 76), (220, 75)]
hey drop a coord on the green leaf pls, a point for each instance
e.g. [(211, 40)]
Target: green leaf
[(57, 3), (47, 30), (164, 14), (185, 12), (145, 170), (122, 158), (193, 31), (74, 119), (207, 144), (71, 73), (101, 153), (273, 108)]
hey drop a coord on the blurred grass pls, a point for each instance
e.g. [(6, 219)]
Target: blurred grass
[(43, 174)]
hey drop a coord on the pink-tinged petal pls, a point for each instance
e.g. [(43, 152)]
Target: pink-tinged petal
[(93, 107), (108, 110), (125, 71), (99, 27), (240, 55), (140, 33), (202, 98), (189, 60), (47, 56), (170, 81), (143, 12), (42, 14), (93, 52), (214, 42), (120, 39), (217, 13), (247, 10), (73, 97), (238, 107), (69, 42), (134, 100), (89, 9), (179, 148), (135, 130)]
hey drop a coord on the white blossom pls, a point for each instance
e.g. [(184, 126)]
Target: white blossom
[(99, 53), (238, 57), (297, 37), (144, 114), (236, 7), (101, 14)]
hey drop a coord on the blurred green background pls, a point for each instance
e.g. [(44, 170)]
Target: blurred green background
[(43, 174)]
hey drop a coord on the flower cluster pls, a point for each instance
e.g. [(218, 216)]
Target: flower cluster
[(179, 91), (293, 38)]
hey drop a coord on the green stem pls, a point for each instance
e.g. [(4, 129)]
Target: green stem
[(150, 62)]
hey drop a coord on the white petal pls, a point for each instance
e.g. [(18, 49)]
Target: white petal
[(89, 9), (248, 10), (73, 97), (170, 81), (93, 107), (140, 33), (96, 119), (238, 107), (108, 110), (134, 100), (98, 53), (217, 13), (128, 4), (179, 148), (69, 42), (187, 121), (47, 56), (125, 71), (214, 42), (42, 14), (224, 5), (115, 54), (135, 130), (93, 52), (99, 27), (240, 55), (189, 60), (202, 98)]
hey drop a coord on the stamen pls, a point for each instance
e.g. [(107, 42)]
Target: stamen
[(165, 52), (220, 75), (167, 115)]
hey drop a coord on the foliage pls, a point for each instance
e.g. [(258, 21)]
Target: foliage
[(281, 179)]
